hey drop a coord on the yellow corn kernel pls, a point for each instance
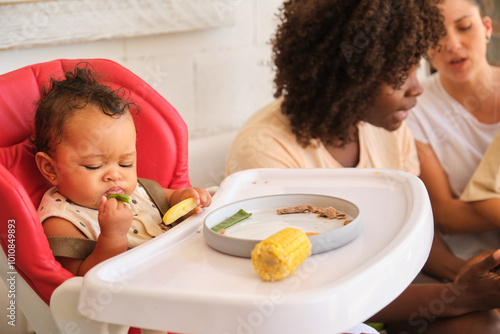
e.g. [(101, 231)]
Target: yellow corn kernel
[(279, 255)]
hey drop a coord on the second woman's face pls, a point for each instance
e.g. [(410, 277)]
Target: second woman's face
[(463, 49)]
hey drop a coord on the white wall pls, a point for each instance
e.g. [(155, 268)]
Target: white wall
[(215, 78)]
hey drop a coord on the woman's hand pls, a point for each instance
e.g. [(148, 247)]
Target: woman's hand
[(477, 286)]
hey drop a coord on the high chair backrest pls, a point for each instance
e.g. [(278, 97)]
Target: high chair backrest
[(161, 148)]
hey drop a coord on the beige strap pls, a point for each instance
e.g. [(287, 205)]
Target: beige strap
[(75, 248), (156, 193)]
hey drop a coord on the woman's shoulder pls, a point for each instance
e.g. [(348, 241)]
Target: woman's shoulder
[(269, 121), (268, 116)]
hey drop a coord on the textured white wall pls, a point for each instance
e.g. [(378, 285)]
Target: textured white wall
[(216, 78), (36, 23)]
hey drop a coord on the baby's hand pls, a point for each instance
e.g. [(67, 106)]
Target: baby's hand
[(200, 196), (114, 217)]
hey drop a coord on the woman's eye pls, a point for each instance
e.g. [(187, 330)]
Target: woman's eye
[(465, 27)]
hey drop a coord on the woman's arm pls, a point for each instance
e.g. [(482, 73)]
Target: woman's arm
[(442, 263), (489, 209), (450, 214), (476, 288)]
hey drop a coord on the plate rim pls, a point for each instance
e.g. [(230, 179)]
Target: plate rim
[(356, 220)]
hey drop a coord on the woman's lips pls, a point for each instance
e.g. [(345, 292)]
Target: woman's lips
[(401, 115), (458, 62)]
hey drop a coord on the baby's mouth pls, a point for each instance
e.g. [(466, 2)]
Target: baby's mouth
[(114, 190)]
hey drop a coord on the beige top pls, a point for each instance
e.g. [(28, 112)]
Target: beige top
[(266, 140), (145, 226), (485, 182)]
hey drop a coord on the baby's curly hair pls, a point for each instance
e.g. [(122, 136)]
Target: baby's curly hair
[(63, 97), (331, 57)]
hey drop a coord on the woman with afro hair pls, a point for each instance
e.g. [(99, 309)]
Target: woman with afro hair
[(345, 82), (333, 60)]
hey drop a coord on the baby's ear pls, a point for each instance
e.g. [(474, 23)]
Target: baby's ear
[(46, 166)]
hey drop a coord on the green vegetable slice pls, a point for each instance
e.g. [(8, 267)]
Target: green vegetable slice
[(229, 221), (120, 197)]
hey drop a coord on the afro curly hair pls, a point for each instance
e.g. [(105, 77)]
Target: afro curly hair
[(331, 57)]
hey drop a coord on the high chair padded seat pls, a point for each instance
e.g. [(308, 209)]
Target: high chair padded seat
[(161, 148)]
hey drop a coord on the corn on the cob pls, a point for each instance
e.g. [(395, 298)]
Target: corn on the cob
[(279, 255)]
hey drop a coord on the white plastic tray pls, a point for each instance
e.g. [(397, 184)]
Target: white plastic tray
[(178, 283)]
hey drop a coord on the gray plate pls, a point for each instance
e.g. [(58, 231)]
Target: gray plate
[(241, 238)]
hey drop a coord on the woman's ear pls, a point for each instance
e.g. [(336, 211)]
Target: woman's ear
[(46, 166), (488, 24)]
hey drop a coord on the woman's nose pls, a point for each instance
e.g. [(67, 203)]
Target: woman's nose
[(414, 87), (417, 89), (451, 42)]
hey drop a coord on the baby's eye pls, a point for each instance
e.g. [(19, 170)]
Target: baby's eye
[(92, 167), (127, 165)]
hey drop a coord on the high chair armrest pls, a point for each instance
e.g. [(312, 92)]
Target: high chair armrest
[(64, 309)]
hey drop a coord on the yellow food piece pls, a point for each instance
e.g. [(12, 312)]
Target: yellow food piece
[(180, 209), (279, 255)]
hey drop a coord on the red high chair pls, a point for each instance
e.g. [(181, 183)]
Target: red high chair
[(47, 293)]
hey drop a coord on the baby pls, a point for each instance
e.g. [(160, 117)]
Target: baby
[(85, 139)]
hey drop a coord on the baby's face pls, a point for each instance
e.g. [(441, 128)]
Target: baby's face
[(96, 157)]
